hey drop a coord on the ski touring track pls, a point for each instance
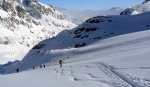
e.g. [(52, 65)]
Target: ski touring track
[(120, 78)]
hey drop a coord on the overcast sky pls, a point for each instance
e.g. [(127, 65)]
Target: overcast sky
[(91, 4)]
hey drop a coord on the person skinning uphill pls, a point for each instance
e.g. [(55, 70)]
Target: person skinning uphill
[(33, 67), (41, 66), (44, 66), (60, 62), (17, 70)]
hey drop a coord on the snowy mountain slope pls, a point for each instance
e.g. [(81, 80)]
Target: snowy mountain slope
[(90, 32), (105, 51), (24, 23), (78, 17), (137, 9), (59, 77), (9, 65), (120, 61)]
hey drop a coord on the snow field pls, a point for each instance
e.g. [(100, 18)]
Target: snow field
[(85, 67), (84, 75)]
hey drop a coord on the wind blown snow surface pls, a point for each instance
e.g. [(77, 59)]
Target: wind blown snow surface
[(105, 51)]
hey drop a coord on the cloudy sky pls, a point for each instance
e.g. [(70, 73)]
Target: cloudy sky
[(91, 4)]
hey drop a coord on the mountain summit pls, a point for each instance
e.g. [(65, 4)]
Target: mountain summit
[(137, 9), (146, 1)]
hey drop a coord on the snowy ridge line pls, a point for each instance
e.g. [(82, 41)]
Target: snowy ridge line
[(119, 78)]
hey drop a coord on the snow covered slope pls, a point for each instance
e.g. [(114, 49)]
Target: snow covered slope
[(69, 76), (105, 51), (78, 17), (24, 23), (90, 32), (120, 61), (137, 9), (8, 66)]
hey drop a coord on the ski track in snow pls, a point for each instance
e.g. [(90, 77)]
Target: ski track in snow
[(122, 79), (83, 76), (98, 73)]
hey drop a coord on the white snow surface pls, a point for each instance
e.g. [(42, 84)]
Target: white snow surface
[(90, 32), (114, 52), (120, 58), (3, 14), (121, 63)]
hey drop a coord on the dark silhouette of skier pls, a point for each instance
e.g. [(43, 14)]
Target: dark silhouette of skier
[(60, 62), (17, 70), (40, 66), (33, 68), (44, 66)]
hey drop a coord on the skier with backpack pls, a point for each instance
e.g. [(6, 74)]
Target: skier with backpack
[(17, 70), (60, 62)]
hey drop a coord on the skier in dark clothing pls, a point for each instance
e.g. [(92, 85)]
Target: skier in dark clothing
[(44, 66), (40, 66), (60, 62), (33, 67), (17, 70)]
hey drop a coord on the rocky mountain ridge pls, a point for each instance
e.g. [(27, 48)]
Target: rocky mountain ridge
[(23, 23)]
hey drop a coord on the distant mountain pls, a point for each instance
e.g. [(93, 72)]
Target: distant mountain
[(137, 9), (90, 32), (146, 1), (116, 9), (24, 23), (78, 17)]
